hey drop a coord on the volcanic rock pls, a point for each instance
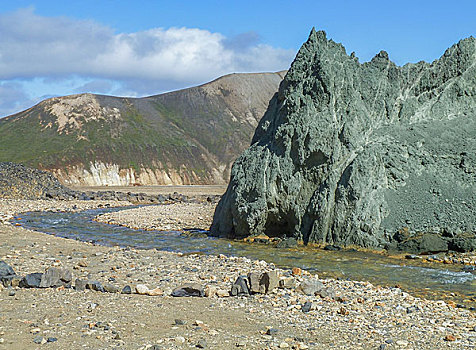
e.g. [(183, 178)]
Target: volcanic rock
[(352, 153)]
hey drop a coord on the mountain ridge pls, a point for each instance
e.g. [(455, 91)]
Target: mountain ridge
[(188, 136)]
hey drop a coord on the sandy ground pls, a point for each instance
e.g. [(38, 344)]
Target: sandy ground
[(358, 316)]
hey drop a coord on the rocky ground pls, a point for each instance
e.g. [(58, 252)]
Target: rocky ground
[(336, 314), (171, 217)]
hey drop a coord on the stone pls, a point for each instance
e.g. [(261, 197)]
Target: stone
[(210, 291), (56, 277), (80, 284), (6, 270), (126, 290), (240, 287), (142, 289), (296, 271), (287, 282), (306, 307), (155, 292), (401, 343), (11, 293), (51, 339), (95, 285), (110, 288), (311, 286), (272, 331), (254, 279), (221, 293), (327, 293), (180, 322), (287, 243), (15, 281), (31, 280), (39, 340), (270, 281), (202, 344), (351, 164), (188, 290)]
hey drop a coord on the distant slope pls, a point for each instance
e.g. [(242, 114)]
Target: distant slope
[(189, 136)]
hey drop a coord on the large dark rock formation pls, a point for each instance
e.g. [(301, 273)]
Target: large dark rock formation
[(366, 154)]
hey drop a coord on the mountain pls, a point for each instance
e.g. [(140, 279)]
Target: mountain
[(189, 136), (370, 154)]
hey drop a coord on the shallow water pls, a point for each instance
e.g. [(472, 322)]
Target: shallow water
[(427, 280)]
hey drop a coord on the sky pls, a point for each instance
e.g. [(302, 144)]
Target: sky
[(140, 48)]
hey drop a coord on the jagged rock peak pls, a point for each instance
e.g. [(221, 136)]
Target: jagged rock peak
[(353, 153)]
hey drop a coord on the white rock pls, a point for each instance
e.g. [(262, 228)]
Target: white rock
[(142, 289)]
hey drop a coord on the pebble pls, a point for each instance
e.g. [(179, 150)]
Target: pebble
[(272, 331), (179, 340), (401, 343), (306, 307), (39, 340), (126, 290), (142, 289), (202, 344)]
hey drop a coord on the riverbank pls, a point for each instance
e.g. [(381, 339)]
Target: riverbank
[(353, 315)]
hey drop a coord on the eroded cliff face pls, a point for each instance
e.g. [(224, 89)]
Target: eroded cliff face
[(101, 174), (367, 154)]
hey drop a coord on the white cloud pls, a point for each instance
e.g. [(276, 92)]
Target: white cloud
[(33, 46), (79, 54)]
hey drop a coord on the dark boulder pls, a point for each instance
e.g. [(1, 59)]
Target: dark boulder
[(6, 270), (31, 280), (189, 290)]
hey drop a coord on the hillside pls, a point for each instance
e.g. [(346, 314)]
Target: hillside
[(189, 136)]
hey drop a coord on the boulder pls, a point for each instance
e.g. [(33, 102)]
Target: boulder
[(95, 285), (31, 280), (270, 281), (241, 286), (189, 290), (350, 153), (80, 284), (56, 277), (311, 286), (126, 290), (6, 270), (260, 282)]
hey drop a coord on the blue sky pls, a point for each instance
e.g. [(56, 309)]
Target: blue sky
[(54, 48)]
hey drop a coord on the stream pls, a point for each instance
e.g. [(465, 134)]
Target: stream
[(433, 281)]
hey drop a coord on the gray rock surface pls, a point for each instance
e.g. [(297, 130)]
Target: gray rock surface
[(354, 153), (6, 270), (31, 280), (56, 277)]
